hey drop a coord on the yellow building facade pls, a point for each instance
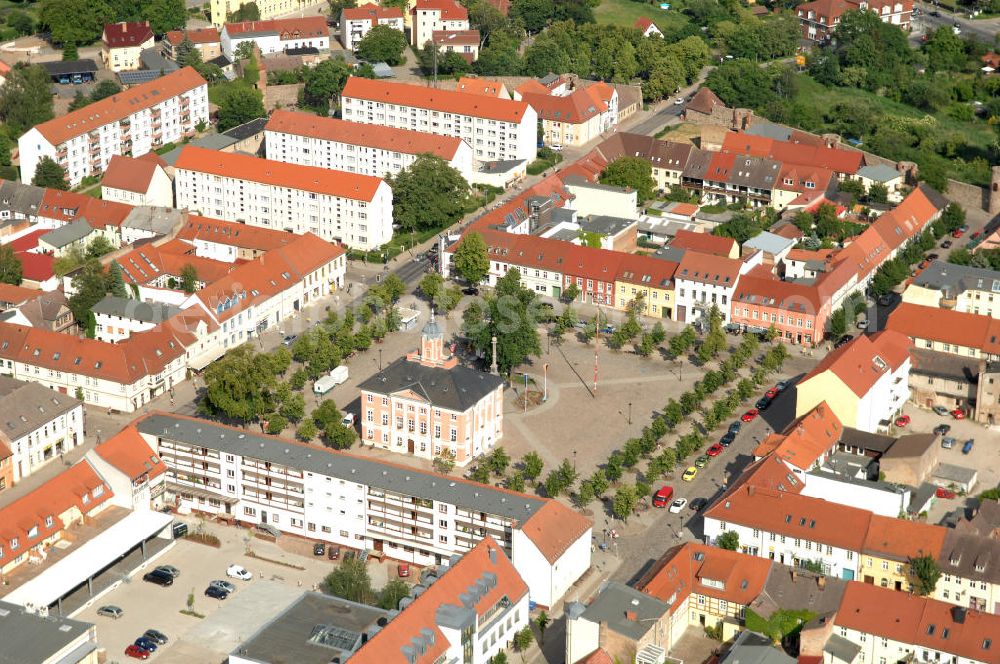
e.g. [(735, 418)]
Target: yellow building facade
[(221, 9)]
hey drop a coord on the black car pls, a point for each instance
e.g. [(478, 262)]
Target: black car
[(843, 340), (319, 549), (763, 403), (215, 592), (885, 300), (734, 428), (727, 439), (471, 290), (156, 636), (942, 429), (159, 577), (946, 244), (935, 12)]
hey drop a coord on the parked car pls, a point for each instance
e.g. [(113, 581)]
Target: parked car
[(772, 393), (715, 450), (288, 340), (146, 644), (843, 340), (159, 578), (958, 232), (690, 474), (701, 461), (884, 300), (215, 592), (348, 420), (942, 492), (947, 442), (110, 611), (727, 439), (697, 504), (946, 244), (735, 427), (782, 385), (678, 505), (940, 410), (862, 324), (319, 549), (942, 429), (750, 415), (333, 552), (156, 636), (136, 652), (168, 569), (903, 421), (662, 496), (470, 290), (968, 446), (932, 257), (958, 414), (763, 403), (238, 572), (225, 585), (403, 570)]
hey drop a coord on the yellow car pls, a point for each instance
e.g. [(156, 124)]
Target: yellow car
[(690, 474)]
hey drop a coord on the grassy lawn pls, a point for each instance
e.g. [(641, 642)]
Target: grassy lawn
[(625, 12)]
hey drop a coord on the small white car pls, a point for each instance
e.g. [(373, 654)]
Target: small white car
[(678, 505), (238, 572), (348, 420)]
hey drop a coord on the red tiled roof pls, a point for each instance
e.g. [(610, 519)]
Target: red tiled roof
[(900, 539), (127, 34), (646, 271), (119, 106), (762, 288), (577, 107), (28, 240), (643, 23), (464, 37), (69, 206), (129, 452), (129, 174), (154, 158), (448, 101), (946, 326), (36, 267), (11, 295), (906, 220), (267, 171), (704, 243), (450, 10), (234, 234), (457, 586), (857, 364), (554, 528), (147, 263), (195, 36), (356, 133), (704, 101), (51, 500), (372, 12), (907, 618), (709, 269), (479, 86), (599, 656), (794, 177), (834, 159), (286, 28), (807, 439)]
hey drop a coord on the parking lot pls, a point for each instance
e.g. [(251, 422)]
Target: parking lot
[(226, 622)]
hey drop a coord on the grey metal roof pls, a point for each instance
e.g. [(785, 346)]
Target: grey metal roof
[(913, 445), (215, 142), (752, 648), (70, 67), (27, 637), (68, 234), (146, 312), (769, 243), (341, 465), (921, 498), (801, 592), (25, 407), (247, 129), (769, 130), (615, 600), (953, 280), (953, 473), (315, 629), (841, 648), (578, 181), (605, 225), (457, 389), (503, 166), (153, 60), (157, 220), (875, 442), (879, 173), (672, 254)]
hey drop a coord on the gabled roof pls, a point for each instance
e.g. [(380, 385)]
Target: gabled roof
[(286, 29), (647, 271), (357, 133), (946, 326), (129, 452), (899, 539), (578, 107), (267, 171), (129, 174), (147, 263), (906, 220), (67, 206), (862, 362), (808, 438), (127, 34), (554, 528), (787, 152), (448, 101), (27, 406), (464, 37), (450, 10), (761, 287), (704, 243), (709, 269), (479, 86), (195, 36), (704, 101), (11, 296), (233, 234), (119, 106), (372, 13)]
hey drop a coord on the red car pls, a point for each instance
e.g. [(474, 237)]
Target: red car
[(957, 232), (715, 450), (958, 414), (976, 234), (662, 497), (136, 652), (750, 415), (902, 420), (403, 570), (772, 393), (944, 493)]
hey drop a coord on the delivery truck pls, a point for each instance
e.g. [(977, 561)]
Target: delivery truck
[(331, 380)]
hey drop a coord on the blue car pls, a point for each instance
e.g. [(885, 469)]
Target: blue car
[(968, 446), (146, 644)]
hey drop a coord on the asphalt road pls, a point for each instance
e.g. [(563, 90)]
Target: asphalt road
[(985, 30)]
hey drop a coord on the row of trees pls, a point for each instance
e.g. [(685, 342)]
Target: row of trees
[(892, 273), (82, 21)]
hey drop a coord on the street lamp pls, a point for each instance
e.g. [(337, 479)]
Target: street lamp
[(630, 413), (574, 461)]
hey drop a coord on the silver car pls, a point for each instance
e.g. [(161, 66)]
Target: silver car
[(225, 585), (169, 569), (110, 611)]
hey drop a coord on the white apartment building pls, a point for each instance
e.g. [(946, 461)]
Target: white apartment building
[(37, 424), (497, 129), (349, 208), (361, 503), (132, 122), (355, 22), (310, 140), (276, 35), (430, 16), (704, 280), (118, 318)]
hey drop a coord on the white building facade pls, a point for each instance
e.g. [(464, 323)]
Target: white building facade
[(355, 22), (37, 424)]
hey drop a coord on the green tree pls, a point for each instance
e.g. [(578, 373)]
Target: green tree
[(516, 481), (523, 639), (383, 44), (307, 431), (323, 83), (533, 14), (925, 571), (532, 465), (631, 172), (189, 278), (471, 259), (99, 246), (498, 461), (70, 53), (878, 193), (506, 317), (428, 194), (741, 83), (338, 6), (116, 281), (249, 11), (49, 174), (105, 89), (20, 22), (26, 98), (75, 21), (542, 621), (239, 104), (239, 385), (729, 540), (391, 593), (350, 581), (10, 266), (165, 15), (625, 501), (431, 285)]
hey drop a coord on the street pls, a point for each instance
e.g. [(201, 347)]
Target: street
[(984, 30)]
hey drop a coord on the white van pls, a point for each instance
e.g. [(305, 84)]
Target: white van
[(332, 380)]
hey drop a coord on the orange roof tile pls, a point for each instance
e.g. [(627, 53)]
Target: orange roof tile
[(65, 491), (69, 206), (372, 12), (119, 106), (356, 133), (810, 437), (129, 452), (195, 36), (233, 233), (266, 171), (834, 159), (900, 539), (448, 101), (464, 37), (947, 326), (11, 296), (554, 528), (129, 174), (862, 362), (479, 86), (147, 263), (457, 587), (906, 220), (450, 10), (646, 271), (704, 243), (709, 269), (286, 28), (577, 107)]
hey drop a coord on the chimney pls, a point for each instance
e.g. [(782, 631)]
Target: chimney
[(124, 26), (631, 616), (750, 490), (821, 582), (795, 576)]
